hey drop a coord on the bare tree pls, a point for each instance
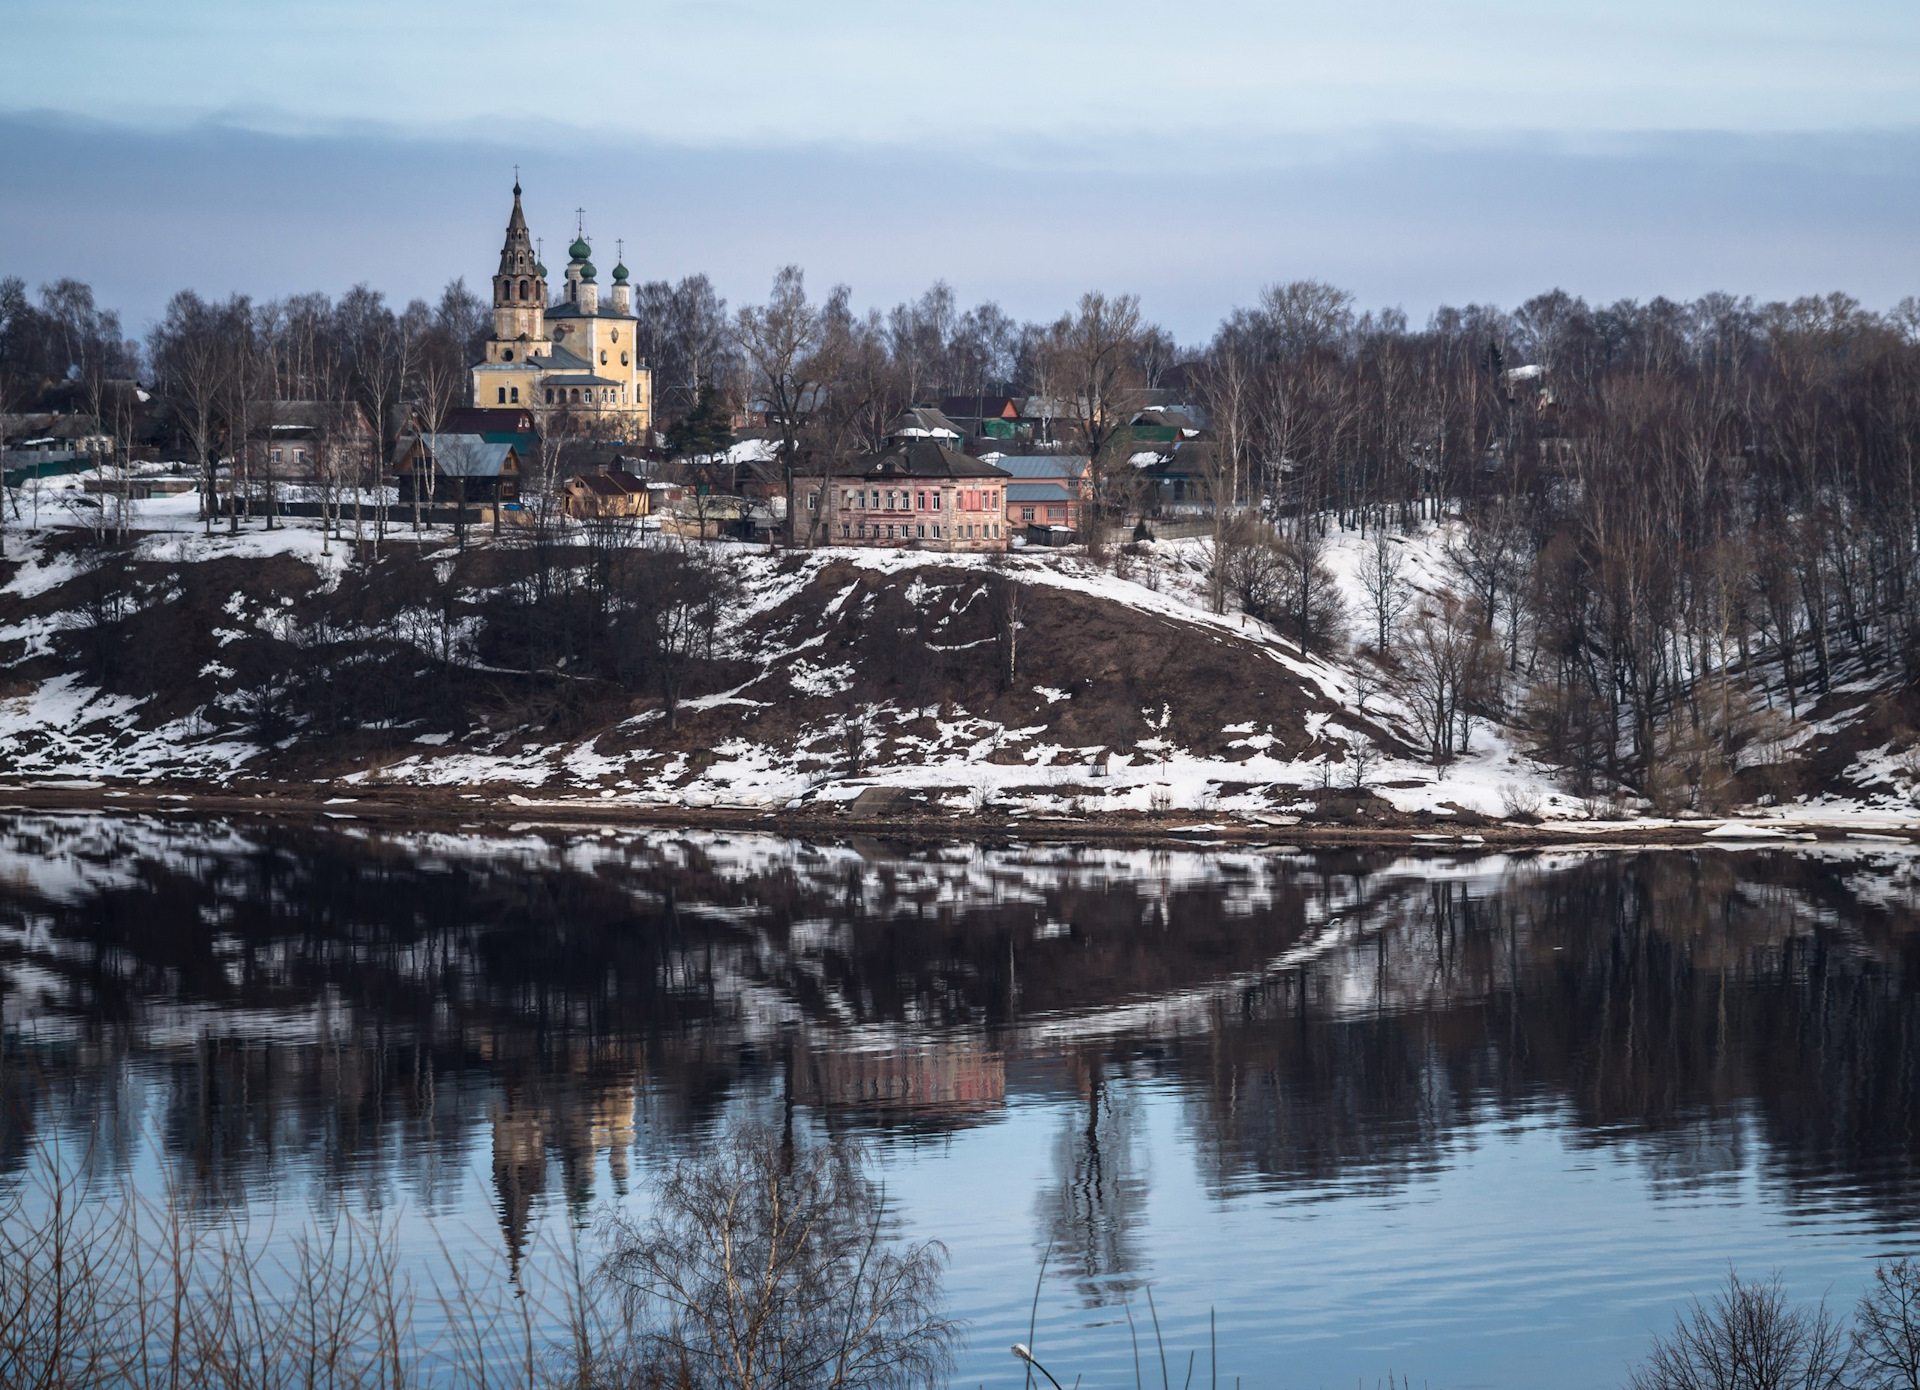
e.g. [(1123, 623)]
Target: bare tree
[(1006, 605), (1310, 610), (780, 340), (1226, 389), (765, 1264), (1444, 657), (1886, 1329), (186, 351), (1091, 357), (1383, 585), (1747, 1337)]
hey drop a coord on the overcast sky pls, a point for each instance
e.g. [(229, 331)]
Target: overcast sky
[(1418, 153)]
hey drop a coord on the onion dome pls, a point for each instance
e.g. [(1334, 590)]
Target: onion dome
[(620, 273), (541, 271), (586, 270), (579, 250)]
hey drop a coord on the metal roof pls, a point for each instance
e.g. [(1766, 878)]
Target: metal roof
[(1044, 465), (470, 456), (1038, 492)]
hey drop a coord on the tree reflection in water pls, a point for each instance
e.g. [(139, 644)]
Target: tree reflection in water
[(1089, 1213), (374, 1012)]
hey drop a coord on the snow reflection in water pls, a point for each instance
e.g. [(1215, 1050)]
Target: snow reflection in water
[(1477, 1119)]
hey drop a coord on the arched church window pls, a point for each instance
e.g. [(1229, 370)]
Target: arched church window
[(506, 354), (549, 395), (616, 335), (523, 289), (603, 357), (514, 394), (623, 359), (576, 394)]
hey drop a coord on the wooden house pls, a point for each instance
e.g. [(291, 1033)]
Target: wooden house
[(459, 468), (606, 493)]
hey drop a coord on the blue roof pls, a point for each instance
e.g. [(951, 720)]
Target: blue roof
[(1038, 492), (1044, 465), (470, 456)]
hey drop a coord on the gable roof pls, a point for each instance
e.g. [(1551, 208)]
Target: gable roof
[(614, 482), (922, 422), (1038, 492), (489, 420), (469, 456), (918, 458), (980, 407), (1044, 465), (564, 360)]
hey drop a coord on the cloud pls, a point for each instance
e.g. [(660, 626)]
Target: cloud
[(1410, 217), (982, 76)]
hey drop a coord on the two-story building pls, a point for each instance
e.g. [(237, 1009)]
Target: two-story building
[(917, 494), (1050, 491)]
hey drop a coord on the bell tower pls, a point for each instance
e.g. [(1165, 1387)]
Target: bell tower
[(519, 289)]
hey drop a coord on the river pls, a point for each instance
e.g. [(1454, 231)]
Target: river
[(1480, 1120)]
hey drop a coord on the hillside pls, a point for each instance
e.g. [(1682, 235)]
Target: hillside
[(828, 678)]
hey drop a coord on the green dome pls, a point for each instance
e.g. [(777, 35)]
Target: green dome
[(586, 270), (579, 250), (541, 271), (620, 272)]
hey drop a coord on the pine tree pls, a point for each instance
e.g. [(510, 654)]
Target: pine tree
[(706, 429)]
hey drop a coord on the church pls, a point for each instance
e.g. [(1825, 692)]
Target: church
[(576, 353)]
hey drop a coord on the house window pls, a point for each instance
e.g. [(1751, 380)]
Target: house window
[(1054, 513), (936, 530), (923, 532), (845, 529), (274, 454), (299, 455), (1026, 513), (813, 501), (849, 502)]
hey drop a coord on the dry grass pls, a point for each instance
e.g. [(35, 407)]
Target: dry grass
[(103, 1286)]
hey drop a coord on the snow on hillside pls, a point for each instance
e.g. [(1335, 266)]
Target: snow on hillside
[(1352, 737)]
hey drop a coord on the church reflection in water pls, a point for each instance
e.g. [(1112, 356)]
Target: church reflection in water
[(360, 1011)]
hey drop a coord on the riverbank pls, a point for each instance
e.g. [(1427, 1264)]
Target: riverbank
[(426, 808)]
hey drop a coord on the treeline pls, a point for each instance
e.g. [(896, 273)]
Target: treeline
[(1679, 524), (1675, 525)]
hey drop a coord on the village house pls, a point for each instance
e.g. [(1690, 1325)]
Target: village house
[(300, 441), (1046, 492), (987, 417), (918, 493), (607, 493), (462, 468)]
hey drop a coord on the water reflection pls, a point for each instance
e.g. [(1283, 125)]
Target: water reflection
[(382, 1014)]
